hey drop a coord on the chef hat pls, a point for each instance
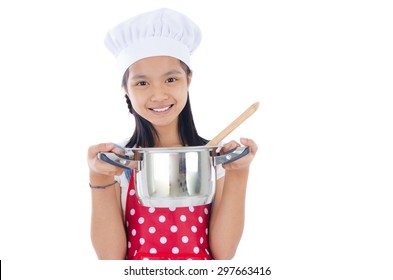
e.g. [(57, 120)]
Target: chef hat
[(162, 32)]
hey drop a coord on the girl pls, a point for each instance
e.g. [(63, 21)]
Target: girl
[(153, 51)]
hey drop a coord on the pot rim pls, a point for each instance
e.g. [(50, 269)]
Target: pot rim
[(174, 149)]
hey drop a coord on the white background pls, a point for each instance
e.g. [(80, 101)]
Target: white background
[(319, 202)]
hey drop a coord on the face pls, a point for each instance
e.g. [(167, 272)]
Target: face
[(157, 88)]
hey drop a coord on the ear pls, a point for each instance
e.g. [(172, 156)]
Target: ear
[(189, 78)]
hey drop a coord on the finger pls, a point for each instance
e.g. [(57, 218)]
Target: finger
[(250, 143), (103, 147), (119, 149), (106, 168), (99, 166), (231, 145)]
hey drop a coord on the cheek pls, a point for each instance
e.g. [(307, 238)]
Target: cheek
[(182, 93), (184, 100), (137, 102), (135, 98), (185, 96)]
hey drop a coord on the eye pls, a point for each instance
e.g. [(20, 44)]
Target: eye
[(141, 83), (171, 80)]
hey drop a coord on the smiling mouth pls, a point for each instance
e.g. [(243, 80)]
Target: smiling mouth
[(160, 110)]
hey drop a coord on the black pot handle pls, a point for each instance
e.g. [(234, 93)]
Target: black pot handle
[(117, 160), (231, 155)]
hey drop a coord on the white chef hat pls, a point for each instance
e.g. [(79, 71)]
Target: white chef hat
[(162, 32)]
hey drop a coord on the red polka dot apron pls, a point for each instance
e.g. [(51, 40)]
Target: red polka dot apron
[(166, 233)]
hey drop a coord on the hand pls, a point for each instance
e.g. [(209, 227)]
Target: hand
[(244, 162), (100, 169)]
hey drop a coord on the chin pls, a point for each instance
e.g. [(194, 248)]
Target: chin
[(161, 125)]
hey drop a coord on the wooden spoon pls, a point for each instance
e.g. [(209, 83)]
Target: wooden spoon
[(238, 121)]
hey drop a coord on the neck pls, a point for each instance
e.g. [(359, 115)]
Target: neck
[(168, 136)]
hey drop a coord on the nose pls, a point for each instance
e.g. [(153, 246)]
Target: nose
[(158, 94)]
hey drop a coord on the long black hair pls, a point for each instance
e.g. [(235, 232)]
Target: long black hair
[(145, 135)]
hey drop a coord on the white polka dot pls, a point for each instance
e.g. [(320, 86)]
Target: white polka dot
[(163, 240), (145, 259), (127, 224), (207, 251), (132, 212), (200, 219), (141, 240), (136, 251), (153, 251), (152, 230), (132, 192), (152, 209), (141, 220), (183, 218), (191, 209), (129, 244), (194, 229), (196, 250), (172, 208), (173, 228), (207, 231), (175, 250), (133, 232), (184, 239), (201, 240), (206, 211), (161, 219)]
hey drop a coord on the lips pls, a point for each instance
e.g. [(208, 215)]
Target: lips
[(161, 109)]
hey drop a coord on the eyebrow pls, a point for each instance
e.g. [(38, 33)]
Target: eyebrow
[(171, 72), (138, 76), (142, 76)]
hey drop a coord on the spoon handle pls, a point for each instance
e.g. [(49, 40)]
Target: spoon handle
[(238, 121)]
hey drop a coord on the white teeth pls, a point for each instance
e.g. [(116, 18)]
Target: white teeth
[(161, 109)]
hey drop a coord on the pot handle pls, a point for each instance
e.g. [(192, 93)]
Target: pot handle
[(126, 162), (231, 155)]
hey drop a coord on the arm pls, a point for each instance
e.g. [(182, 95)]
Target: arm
[(107, 227), (227, 220)]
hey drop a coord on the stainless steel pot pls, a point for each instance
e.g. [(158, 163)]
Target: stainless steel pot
[(174, 177)]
